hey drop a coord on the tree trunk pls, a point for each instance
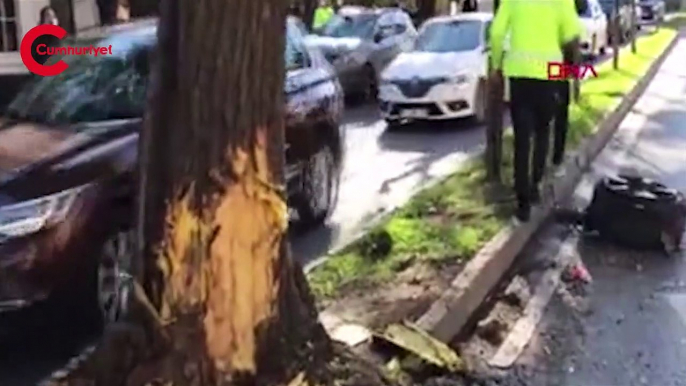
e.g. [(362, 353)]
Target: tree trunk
[(226, 304), (213, 210), (144, 8)]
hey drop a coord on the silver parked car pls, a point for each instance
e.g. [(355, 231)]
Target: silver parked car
[(360, 42), (650, 12)]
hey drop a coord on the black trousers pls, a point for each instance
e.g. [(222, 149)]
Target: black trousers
[(561, 120), (532, 104)]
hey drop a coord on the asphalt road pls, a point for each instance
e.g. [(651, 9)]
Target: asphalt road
[(382, 170)]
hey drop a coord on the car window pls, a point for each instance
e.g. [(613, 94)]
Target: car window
[(453, 36), (349, 26), (295, 55), (92, 88)]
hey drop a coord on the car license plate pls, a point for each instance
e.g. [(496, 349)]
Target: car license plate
[(414, 113)]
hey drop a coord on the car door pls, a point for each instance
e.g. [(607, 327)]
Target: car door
[(386, 41), (311, 93)]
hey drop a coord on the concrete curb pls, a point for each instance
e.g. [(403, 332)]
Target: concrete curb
[(450, 313)]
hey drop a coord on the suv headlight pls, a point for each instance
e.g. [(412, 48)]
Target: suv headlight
[(28, 217), (457, 79)]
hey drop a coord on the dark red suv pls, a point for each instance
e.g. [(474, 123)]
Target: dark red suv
[(68, 158)]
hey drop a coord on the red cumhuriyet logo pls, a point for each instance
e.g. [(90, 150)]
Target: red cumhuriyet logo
[(562, 71), (43, 49)]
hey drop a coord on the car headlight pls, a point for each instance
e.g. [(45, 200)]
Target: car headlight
[(28, 217), (457, 79)]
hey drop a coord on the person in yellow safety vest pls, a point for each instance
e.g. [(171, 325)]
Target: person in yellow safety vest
[(322, 14), (538, 30)]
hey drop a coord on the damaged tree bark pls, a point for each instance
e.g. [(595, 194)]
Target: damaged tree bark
[(226, 303)]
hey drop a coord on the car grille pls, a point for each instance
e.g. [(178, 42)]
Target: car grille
[(416, 88)]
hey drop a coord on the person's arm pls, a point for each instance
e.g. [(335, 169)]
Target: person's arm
[(499, 29)]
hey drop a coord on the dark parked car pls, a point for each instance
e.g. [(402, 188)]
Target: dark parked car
[(68, 156), (361, 42)]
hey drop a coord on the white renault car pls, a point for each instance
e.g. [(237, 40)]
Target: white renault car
[(595, 37), (444, 76)]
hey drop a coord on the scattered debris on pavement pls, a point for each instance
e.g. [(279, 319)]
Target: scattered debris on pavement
[(420, 344)]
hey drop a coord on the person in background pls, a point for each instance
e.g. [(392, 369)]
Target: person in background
[(470, 5), (322, 14), (296, 12), (538, 32), (47, 15), (571, 55)]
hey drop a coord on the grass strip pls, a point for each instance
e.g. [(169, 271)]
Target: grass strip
[(448, 223)]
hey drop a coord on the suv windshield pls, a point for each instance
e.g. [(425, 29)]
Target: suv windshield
[(349, 26), (92, 88), (454, 36)]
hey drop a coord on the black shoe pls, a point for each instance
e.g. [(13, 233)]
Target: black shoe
[(523, 212)]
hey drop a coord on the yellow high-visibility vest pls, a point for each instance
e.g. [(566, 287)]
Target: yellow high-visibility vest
[(322, 16), (536, 31)]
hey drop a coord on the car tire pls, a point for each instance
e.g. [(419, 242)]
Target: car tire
[(371, 87), (480, 102), (319, 188), (114, 282)]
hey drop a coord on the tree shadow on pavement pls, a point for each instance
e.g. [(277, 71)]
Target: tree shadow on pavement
[(434, 142), (308, 245)]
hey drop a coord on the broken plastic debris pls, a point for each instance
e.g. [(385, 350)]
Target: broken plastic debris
[(419, 343), (350, 334), (577, 273)]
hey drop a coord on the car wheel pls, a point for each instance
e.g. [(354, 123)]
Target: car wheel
[(480, 102), (371, 88), (113, 278), (320, 183)]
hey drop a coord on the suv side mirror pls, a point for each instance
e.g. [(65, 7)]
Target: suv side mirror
[(378, 37), (301, 60)]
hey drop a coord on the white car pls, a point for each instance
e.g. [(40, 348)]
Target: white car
[(444, 76), (594, 38)]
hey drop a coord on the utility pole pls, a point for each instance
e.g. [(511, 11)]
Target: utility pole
[(616, 32), (633, 26), (494, 122)]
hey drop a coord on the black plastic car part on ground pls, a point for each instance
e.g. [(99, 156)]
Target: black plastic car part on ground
[(68, 159)]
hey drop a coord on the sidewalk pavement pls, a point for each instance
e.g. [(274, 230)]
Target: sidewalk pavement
[(636, 332)]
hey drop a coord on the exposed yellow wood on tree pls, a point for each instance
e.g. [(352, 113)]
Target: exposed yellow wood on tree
[(242, 259)]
